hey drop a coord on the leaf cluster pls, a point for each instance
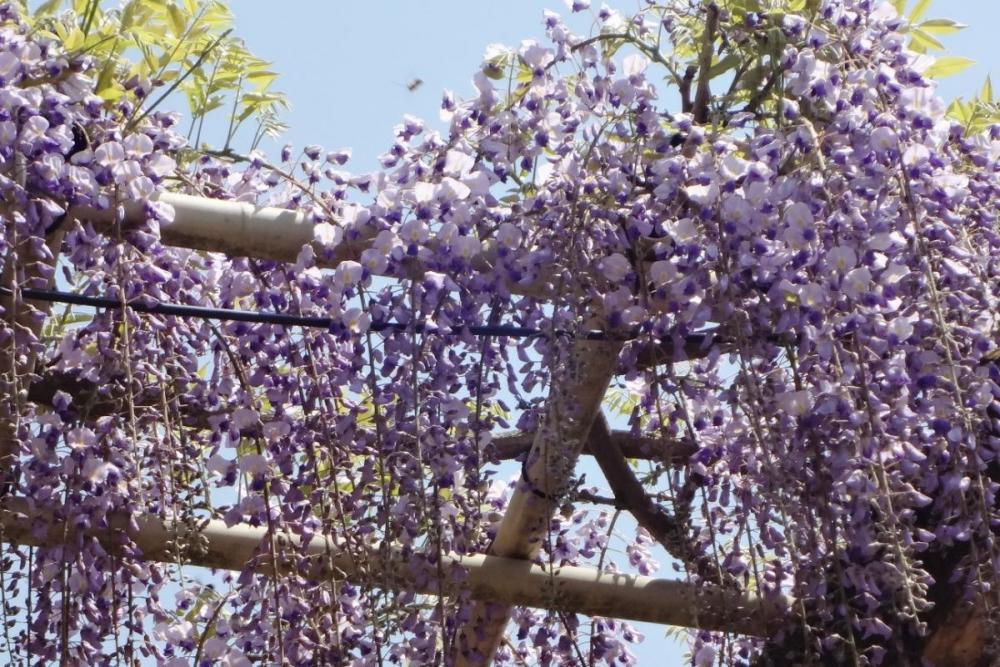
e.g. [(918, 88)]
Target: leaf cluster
[(744, 69), (979, 113), (148, 51)]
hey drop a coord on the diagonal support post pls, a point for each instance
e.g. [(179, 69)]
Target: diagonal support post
[(575, 397)]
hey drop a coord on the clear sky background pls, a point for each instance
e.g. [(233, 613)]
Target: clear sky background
[(345, 66)]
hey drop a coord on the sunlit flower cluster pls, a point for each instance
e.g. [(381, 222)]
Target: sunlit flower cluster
[(838, 247)]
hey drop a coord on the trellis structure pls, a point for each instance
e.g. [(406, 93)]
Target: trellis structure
[(504, 576), (823, 224)]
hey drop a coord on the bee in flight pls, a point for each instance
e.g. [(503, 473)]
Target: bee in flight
[(414, 84)]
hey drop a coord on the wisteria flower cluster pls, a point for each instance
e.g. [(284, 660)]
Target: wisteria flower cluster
[(805, 279)]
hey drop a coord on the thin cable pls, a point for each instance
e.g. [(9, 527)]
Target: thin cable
[(255, 317)]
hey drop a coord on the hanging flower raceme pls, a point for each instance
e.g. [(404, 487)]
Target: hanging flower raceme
[(806, 290)]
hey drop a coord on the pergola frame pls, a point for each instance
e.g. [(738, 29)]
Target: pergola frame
[(505, 575)]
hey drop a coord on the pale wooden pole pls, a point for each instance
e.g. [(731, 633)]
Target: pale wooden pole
[(574, 400), (244, 230), (504, 581)]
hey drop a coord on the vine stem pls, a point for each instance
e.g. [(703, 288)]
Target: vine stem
[(703, 92), (271, 530), (209, 622), (600, 568)]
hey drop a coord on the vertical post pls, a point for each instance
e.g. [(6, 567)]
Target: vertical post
[(577, 390)]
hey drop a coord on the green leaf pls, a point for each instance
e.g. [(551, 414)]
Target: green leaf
[(948, 66), (217, 16), (986, 94), (900, 6), (925, 41), (497, 67), (247, 111), (942, 26), (205, 596), (129, 15), (958, 110), (47, 8), (968, 111), (177, 19), (213, 102), (724, 65), (955, 108), (74, 40), (111, 93), (919, 10), (611, 47), (106, 78), (262, 78)]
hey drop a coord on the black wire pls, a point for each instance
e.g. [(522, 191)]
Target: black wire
[(230, 315)]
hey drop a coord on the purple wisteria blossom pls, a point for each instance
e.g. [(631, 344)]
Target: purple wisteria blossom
[(807, 284)]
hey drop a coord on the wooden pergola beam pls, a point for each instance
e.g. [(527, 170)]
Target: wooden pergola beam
[(505, 447), (643, 448), (574, 400), (240, 229), (504, 581)]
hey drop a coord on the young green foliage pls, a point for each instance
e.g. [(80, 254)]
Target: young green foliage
[(150, 50)]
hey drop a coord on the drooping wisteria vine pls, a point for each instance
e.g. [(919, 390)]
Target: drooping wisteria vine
[(805, 272)]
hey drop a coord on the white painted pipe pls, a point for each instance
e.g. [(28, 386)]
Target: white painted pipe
[(230, 227), (240, 229), (503, 581)]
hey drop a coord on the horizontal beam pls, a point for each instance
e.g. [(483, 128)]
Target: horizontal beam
[(506, 581), (504, 447), (677, 452), (230, 227), (241, 229)]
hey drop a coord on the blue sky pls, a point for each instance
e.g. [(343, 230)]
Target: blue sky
[(345, 66)]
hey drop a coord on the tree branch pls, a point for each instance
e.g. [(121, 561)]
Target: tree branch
[(754, 104), (703, 93), (685, 88), (672, 533)]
